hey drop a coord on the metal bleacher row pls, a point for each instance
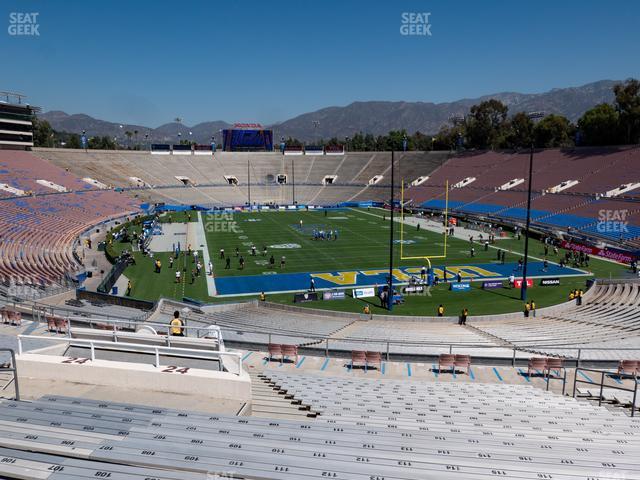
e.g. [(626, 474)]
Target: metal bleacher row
[(607, 326), (367, 429)]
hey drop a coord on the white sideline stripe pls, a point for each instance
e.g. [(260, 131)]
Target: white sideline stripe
[(202, 240)]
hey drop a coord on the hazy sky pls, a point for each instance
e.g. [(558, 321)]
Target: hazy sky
[(148, 61)]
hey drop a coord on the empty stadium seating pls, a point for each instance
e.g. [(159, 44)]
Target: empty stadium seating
[(381, 429), (38, 229), (597, 171)]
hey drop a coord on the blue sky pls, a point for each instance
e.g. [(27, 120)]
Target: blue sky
[(146, 61)]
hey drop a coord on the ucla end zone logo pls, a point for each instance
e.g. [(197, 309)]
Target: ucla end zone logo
[(285, 246), (404, 242)]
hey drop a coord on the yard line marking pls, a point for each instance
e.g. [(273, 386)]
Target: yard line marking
[(300, 362), (324, 365), (524, 375), (408, 369), (246, 355), (495, 370)]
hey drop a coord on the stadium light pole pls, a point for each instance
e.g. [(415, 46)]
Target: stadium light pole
[(249, 183), (523, 286), (390, 295), (293, 182)]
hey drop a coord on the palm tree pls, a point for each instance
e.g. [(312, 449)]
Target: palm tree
[(135, 136), (128, 135)]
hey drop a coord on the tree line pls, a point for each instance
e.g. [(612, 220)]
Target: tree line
[(488, 125)]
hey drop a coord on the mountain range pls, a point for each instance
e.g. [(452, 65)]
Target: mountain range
[(376, 117)]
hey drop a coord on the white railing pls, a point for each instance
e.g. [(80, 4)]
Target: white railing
[(156, 350)]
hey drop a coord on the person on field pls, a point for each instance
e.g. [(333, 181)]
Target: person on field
[(227, 265), (272, 262), (440, 310)]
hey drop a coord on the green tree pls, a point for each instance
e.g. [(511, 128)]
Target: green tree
[(73, 141), (600, 126), (628, 106), (553, 131), (43, 134), (518, 132), (485, 124)]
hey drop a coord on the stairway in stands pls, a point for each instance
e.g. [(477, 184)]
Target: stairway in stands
[(269, 401)]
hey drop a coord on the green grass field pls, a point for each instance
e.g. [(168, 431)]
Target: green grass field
[(362, 244)]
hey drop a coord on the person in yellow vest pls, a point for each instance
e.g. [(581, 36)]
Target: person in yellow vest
[(366, 310), (527, 309), (579, 297), (129, 287), (533, 308), (441, 310), (571, 295), (263, 297), (175, 326)]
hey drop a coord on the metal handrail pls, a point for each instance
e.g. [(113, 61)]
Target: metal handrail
[(13, 369), (137, 347), (603, 374)]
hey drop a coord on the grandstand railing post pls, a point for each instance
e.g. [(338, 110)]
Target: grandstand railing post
[(157, 352), (387, 351), (633, 403), (513, 359), (575, 381), (269, 338), (450, 349), (578, 359), (15, 375), (564, 382), (601, 388), (93, 351), (326, 347)]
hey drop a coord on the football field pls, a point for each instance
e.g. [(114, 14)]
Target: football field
[(338, 249)]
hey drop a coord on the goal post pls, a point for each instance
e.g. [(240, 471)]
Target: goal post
[(445, 229)]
